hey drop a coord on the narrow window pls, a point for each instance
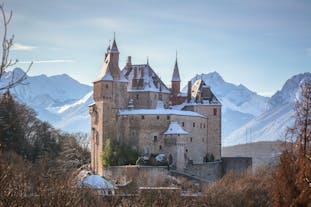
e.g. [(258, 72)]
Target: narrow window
[(200, 125), (190, 139), (204, 125), (202, 139), (183, 124), (160, 147), (193, 124), (168, 117), (155, 138), (158, 117), (107, 86), (142, 117), (215, 112), (137, 96)]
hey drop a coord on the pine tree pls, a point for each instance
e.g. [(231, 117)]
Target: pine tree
[(12, 135)]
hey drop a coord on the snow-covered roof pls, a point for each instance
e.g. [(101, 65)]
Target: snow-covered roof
[(160, 111), (105, 75), (142, 78), (110, 70), (98, 182), (202, 94), (160, 157), (175, 128)]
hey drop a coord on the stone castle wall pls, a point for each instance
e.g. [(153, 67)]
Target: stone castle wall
[(153, 175), (122, 175), (214, 126), (238, 164), (109, 97), (210, 171), (145, 132), (148, 99)]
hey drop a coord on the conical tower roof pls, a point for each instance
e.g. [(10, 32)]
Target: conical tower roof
[(114, 47), (176, 77)]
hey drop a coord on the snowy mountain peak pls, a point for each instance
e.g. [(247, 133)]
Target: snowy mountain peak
[(272, 124), (210, 78), (239, 103), (289, 90), (18, 72), (15, 74)]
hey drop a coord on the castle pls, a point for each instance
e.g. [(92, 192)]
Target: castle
[(134, 106)]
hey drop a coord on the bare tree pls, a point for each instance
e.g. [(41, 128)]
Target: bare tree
[(292, 183), (7, 44)]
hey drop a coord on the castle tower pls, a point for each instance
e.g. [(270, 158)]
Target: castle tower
[(176, 80), (175, 131), (175, 84), (110, 95)]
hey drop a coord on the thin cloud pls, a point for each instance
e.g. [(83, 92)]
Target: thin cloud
[(47, 61), (108, 23), (22, 47)]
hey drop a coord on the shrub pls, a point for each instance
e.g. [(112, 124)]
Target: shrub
[(117, 153)]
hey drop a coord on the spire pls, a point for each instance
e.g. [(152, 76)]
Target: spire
[(110, 70), (176, 77), (114, 47), (147, 60)]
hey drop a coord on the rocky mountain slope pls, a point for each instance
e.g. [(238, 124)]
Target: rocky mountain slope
[(273, 122)]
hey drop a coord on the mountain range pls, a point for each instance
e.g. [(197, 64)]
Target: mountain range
[(274, 121), (59, 99), (246, 116)]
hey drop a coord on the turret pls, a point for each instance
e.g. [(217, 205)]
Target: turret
[(110, 69), (110, 95), (176, 80)]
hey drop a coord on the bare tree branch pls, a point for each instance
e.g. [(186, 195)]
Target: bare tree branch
[(7, 44)]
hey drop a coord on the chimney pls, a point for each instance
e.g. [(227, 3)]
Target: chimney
[(189, 91), (129, 62), (135, 73), (142, 70)]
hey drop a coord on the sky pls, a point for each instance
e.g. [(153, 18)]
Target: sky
[(257, 43)]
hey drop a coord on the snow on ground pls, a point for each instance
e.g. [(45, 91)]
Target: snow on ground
[(98, 182)]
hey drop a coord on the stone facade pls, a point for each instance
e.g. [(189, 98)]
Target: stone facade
[(134, 106)]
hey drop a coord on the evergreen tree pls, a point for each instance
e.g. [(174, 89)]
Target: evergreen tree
[(118, 153), (12, 135)]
